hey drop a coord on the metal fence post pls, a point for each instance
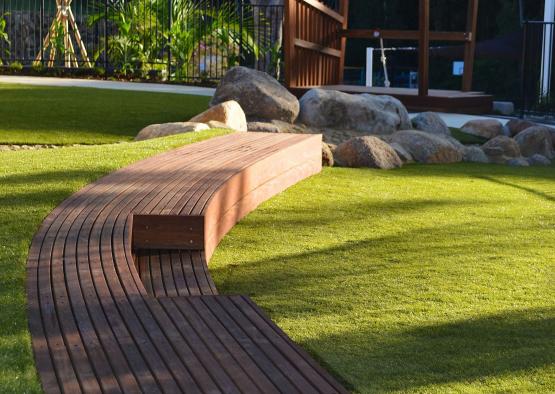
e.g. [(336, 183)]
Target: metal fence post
[(170, 21), (523, 70), (241, 21), (105, 39), (41, 21)]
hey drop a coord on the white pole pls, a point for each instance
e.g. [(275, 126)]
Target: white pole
[(369, 67), (547, 53)]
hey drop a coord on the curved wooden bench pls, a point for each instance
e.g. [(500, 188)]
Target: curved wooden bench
[(119, 294)]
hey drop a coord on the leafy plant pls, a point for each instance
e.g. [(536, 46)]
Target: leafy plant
[(37, 68), (220, 35), (274, 53), (135, 43), (16, 67), (57, 41), (222, 32), (4, 35)]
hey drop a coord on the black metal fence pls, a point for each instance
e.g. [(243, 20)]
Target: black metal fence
[(177, 40), (538, 73)]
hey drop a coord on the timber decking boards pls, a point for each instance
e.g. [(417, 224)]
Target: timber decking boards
[(109, 312)]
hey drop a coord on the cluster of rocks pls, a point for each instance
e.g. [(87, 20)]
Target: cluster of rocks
[(518, 143), (11, 147), (360, 130)]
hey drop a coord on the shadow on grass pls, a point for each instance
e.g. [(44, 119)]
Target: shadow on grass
[(53, 176), (459, 352), (535, 192), (285, 273), (354, 210), (29, 191), (475, 170)]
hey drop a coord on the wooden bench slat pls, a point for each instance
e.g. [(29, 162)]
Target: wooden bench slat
[(207, 326), (302, 353), (129, 332), (103, 371), (235, 320), (187, 265), (220, 364), (232, 164), (259, 324), (162, 357), (201, 379), (228, 332)]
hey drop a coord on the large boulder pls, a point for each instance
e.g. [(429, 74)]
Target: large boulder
[(515, 126), (403, 154), (228, 113), (536, 140), (327, 155), (165, 129), (279, 126), (367, 151), (501, 148), (486, 128), (518, 162), (367, 114), (214, 124), (263, 127), (430, 122), (427, 148), (474, 154), (539, 160), (261, 96)]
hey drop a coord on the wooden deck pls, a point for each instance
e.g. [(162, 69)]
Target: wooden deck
[(120, 298), (454, 101)]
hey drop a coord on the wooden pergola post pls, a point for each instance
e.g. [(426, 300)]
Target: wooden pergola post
[(344, 10), (289, 35), (470, 45), (424, 48)]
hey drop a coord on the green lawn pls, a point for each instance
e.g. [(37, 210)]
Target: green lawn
[(423, 279), (61, 116)]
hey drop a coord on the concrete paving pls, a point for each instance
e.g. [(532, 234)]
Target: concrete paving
[(114, 85)]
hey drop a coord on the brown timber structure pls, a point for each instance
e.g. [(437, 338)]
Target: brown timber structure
[(315, 39)]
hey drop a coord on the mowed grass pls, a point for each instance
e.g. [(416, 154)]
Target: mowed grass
[(61, 116), (427, 279), (32, 183)]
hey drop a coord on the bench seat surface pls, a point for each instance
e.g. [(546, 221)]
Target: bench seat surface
[(110, 312)]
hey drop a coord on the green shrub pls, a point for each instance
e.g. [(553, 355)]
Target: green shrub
[(37, 68), (15, 67), (4, 36)]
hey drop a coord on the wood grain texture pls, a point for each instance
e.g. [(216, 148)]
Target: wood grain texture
[(120, 300)]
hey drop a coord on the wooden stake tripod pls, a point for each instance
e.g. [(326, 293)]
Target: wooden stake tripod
[(61, 26)]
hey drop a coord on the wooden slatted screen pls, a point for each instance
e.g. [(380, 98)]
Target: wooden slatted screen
[(314, 47)]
